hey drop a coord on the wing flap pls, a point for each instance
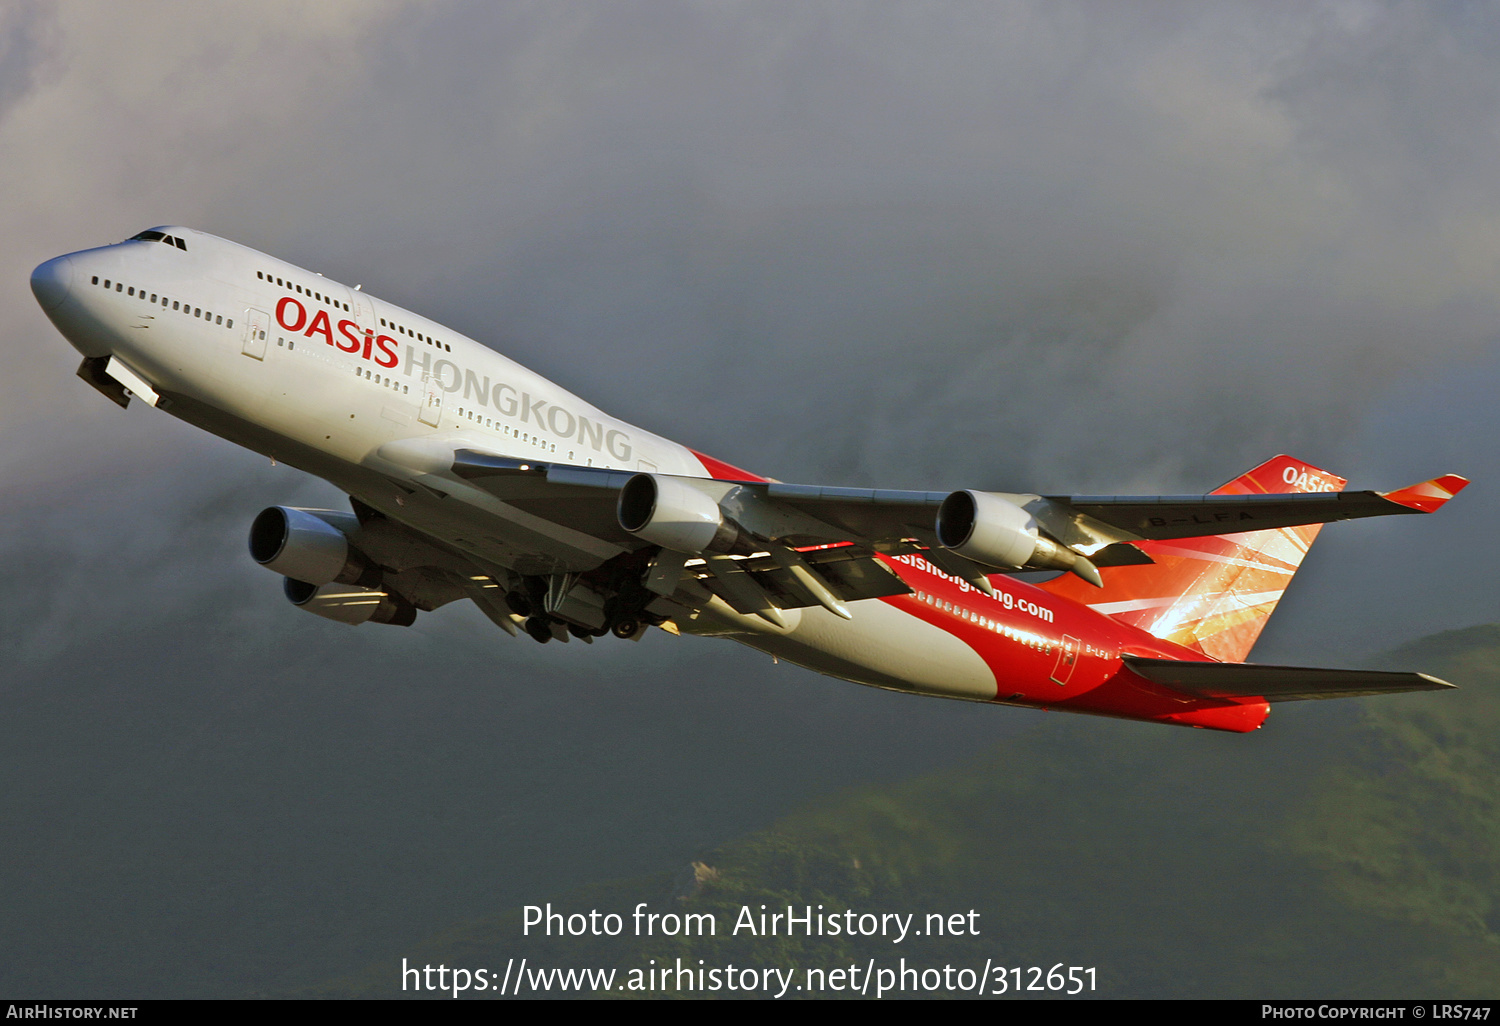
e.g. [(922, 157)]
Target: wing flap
[(1276, 683), (848, 573)]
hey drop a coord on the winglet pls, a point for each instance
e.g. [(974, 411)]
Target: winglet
[(1428, 496)]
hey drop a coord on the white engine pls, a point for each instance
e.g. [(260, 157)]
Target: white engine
[(996, 532), (669, 512), (987, 529), (351, 604), (310, 545)]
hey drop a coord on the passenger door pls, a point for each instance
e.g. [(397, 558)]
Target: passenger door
[(432, 401), (1067, 660), (256, 324)]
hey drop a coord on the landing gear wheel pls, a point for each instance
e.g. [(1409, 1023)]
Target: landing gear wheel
[(539, 628), (626, 629)]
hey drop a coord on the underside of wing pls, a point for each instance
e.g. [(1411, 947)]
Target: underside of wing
[(1276, 683), (847, 573), (797, 562), (582, 498)]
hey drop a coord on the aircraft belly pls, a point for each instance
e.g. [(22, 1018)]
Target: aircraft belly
[(884, 647)]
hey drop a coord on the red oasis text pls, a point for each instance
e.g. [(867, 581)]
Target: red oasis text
[(370, 346)]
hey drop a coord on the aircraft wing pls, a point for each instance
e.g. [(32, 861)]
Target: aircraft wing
[(1276, 683), (1186, 516), (801, 545), (798, 514), (888, 520), (815, 562)]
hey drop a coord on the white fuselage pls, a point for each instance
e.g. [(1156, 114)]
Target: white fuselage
[(324, 400), (376, 399)]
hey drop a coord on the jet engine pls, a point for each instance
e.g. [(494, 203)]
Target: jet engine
[(669, 512), (996, 532), (310, 545), (350, 603)]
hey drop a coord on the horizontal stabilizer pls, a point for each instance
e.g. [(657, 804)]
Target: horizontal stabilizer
[(1276, 683)]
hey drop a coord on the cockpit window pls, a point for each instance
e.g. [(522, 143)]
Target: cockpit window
[(163, 237)]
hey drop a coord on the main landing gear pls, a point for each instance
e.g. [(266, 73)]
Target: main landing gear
[(564, 606)]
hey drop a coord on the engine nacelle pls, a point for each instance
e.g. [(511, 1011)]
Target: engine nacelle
[(669, 512), (310, 545), (987, 529), (996, 532), (350, 603)]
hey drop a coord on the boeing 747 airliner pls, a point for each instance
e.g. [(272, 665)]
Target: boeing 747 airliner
[(470, 477)]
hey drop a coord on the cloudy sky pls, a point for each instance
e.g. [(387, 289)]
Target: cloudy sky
[(1058, 247), (1034, 246)]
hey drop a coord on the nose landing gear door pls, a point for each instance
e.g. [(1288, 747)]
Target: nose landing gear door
[(256, 324)]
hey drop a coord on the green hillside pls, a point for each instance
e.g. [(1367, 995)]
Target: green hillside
[(1347, 849)]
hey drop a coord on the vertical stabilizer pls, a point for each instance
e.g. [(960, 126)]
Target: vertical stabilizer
[(1211, 594)]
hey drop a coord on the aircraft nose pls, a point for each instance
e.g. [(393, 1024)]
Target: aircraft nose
[(50, 282)]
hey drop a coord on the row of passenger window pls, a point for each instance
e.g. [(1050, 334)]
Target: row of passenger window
[(494, 424), (335, 303), (401, 329), (192, 311), (1026, 638), (394, 386)]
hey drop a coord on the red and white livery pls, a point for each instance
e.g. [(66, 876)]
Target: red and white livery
[(471, 477)]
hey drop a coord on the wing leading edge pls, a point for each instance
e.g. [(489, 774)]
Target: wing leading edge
[(887, 520), (1185, 516)]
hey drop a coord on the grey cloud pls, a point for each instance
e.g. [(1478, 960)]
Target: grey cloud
[(1054, 246), (28, 38), (1045, 246)]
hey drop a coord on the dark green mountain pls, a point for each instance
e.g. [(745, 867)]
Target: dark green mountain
[(1348, 849)]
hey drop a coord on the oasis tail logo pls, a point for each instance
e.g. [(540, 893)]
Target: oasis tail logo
[(292, 316)]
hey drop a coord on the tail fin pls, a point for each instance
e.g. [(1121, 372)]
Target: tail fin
[(1212, 594)]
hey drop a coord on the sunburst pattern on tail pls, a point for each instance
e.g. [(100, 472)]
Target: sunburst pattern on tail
[(1212, 594)]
